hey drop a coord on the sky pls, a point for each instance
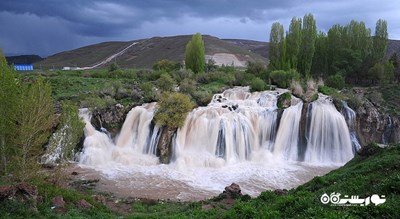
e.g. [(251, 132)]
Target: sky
[(46, 27)]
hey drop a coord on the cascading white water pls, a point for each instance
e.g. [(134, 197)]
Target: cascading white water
[(328, 136), (239, 130), (350, 117), (234, 127), (131, 143)]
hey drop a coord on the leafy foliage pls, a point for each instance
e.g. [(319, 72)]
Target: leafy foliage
[(165, 82), (195, 54), (257, 85), (172, 109), (166, 65), (335, 81), (283, 78), (9, 106), (35, 121)]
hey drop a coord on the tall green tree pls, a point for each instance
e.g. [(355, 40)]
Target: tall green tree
[(276, 46), (35, 120), (320, 60), (195, 54), (307, 48), (293, 42), (380, 40), (8, 108)]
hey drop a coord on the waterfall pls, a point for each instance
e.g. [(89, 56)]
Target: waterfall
[(287, 137), (132, 144), (238, 137), (328, 135), (236, 126), (387, 132), (350, 117)]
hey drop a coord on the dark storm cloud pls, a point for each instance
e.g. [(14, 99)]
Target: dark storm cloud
[(45, 26)]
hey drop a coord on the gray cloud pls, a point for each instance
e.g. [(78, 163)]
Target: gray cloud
[(46, 27)]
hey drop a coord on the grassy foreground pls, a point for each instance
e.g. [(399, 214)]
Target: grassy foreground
[(375, 171)]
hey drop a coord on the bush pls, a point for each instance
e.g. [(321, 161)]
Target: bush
[(257, 85), (187, 86), (149, 94), (165, 82), (335, 81), (202, 98), (216, 76), (172, 109), (166, 65), (149, 75), (257, 69), (182, 74), (283, 78)]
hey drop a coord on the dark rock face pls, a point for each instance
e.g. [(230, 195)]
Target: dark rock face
[(164, 147), (373, 125), (110, 118)]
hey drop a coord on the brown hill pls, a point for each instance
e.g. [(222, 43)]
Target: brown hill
[(144, 53)]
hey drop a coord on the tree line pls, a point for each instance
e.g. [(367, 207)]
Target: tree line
[(348, 51)]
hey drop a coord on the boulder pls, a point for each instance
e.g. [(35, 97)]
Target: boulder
[(58, 202), (83, 204), (233, 191)]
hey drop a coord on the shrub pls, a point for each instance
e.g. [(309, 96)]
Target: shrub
[(182, 74), (257, 69), (165, 82), (257, 85), (283, 78), (113, 67), (202, 98), (149, 94), (335, 81), (172, 109), (188, 86), (166, 65)]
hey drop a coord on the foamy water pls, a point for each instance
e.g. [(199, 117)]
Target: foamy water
[(238, 138)]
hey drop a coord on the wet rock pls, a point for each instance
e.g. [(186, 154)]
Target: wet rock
[(164, 147), (233, 191), (83, 204), (58, 202)]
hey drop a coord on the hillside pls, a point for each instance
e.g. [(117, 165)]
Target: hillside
[(23, 59), (144, 53)]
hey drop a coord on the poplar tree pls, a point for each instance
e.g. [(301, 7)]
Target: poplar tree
[(380, 40), (276, 47), (195, 54), (307, 48), (293, 42)]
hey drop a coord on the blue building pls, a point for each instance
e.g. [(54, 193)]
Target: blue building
[(23, 67)]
